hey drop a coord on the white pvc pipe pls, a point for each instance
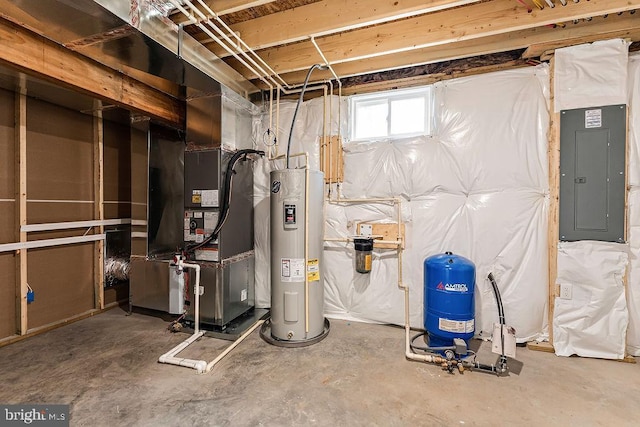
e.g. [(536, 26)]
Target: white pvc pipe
[(365, 200), (306, 251), (305, 154), (170, 356), (213, 37), (222, 355), (428, 358), (242, 43), (350, 239)]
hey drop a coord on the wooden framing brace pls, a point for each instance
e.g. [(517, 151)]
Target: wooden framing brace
[(98, 194), (553, 229), (21, 206), (42, 58)]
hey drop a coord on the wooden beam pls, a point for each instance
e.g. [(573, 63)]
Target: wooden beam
[(98, 203), (42, 58), (624, 26), (553, 229), (439, 28), (539, 48), (540, 346), (21, 205), (221, 7), (328, 17), (429, 78)]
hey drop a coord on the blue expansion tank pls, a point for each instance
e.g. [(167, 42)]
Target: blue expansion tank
[(449, 309)]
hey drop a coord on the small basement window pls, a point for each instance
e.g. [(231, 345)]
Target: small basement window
[(397, 113)]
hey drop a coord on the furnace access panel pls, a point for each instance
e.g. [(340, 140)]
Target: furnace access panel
[(204, 173), (592, 173)]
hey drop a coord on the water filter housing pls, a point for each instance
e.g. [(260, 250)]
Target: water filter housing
[(297, 290)]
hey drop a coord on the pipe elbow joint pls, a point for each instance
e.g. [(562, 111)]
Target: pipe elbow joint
[(201, 366)]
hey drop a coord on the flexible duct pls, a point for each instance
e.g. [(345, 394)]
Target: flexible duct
[(116, 270)]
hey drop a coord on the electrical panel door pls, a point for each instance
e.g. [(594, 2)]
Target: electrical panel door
[(592, 173)]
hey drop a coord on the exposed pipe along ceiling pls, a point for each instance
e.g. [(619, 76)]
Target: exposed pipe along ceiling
[(296, 317), (210, 278)]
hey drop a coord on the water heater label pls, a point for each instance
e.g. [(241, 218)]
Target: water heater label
[(456, 326), (292, 269), (313, 270), (289, 214)]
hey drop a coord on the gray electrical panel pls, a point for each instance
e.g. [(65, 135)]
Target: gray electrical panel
[(592, 173)]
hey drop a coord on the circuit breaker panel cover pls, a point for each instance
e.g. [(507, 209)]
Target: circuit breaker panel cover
[(592, 173)]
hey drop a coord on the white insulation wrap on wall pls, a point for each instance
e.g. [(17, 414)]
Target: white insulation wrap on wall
[(593, 322), (591, 75), (633, 280), (306, 134), (477, 187)]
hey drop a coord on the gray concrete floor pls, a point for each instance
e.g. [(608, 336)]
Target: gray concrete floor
[(106, 368)]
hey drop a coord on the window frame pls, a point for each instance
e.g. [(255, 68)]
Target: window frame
[(425, 92)]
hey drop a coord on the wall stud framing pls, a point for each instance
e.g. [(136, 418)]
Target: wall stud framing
[(98, 194), (21, 204)]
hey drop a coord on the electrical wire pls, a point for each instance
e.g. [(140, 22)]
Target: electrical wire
[(295, 112)]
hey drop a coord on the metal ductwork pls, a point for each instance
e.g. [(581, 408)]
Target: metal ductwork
[(128, 34)]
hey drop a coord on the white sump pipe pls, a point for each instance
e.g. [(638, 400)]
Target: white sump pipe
[(234, 345), (170, 356), (201, 366)]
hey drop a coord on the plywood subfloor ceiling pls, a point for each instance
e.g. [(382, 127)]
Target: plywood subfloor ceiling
[(373, 41)]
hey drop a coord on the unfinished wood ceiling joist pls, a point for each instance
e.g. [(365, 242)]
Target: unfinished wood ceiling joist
[(362, 37), (471, 22), (535, 40), (330, 17)]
